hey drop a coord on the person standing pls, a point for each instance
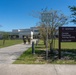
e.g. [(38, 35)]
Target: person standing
[(24, 39), (29, 40)]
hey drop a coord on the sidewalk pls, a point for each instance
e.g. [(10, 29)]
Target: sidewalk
[(46, 69), (9, 54)]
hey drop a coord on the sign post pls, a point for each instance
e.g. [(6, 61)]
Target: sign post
[(59, 55), (66, 34)]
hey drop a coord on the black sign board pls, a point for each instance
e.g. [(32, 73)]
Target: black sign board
[(67, 34)]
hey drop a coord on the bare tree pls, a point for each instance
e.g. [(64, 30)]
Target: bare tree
[(42, 30), (57, 19)]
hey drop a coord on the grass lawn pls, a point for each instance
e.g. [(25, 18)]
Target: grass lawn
[(66, 45), (68, 53), (28, 58), (9, 42)]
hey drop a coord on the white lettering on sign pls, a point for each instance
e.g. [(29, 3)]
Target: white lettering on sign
[(66, 40), (67, 34), (69, 28)]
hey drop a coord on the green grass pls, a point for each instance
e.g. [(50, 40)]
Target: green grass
[(28, 58), (66, 45), (68, 53), (9, 43)]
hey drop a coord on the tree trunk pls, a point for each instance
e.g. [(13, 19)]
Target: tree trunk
[(3, 41), (45, 43), (51, 46)]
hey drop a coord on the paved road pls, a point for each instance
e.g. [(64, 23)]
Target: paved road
[(11, 53), (37, 69)]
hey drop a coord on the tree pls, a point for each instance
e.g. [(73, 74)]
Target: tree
[(42, 30), (57, 19), (5, 37), (51, 20), (73, 15)]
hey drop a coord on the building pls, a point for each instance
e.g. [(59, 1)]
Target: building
[(32, 32)]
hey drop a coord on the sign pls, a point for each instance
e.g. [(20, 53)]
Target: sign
[(67, 34)]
